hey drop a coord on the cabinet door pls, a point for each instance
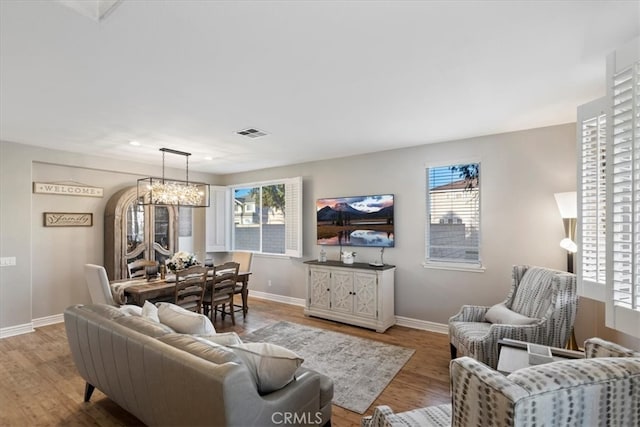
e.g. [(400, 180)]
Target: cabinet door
[(162, 235), (319, 288), (365, 286), (342, 291)]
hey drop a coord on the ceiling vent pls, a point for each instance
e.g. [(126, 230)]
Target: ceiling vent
[(252, 133)]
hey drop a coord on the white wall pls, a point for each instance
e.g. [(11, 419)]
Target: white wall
[(520, 222), (49, 274), (520, 172)]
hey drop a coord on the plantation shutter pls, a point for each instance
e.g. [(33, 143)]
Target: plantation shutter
[(293, 217), (591, 133), (623, 275), (453, 232)]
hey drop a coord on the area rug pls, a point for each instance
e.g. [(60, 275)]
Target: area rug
[(360, 368)]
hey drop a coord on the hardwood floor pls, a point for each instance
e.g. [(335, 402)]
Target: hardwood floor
[(39, 384)]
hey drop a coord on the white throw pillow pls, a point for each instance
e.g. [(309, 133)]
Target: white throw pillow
[(184, 321), (499, 313), (272, 366), (225, 338), (151, 311), (131, 310)]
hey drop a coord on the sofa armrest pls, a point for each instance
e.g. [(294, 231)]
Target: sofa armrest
[(300, 398), (480, 394), (597, 347), (470, 313)]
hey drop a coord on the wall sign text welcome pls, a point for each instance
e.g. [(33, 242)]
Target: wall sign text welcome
[(67, 190)]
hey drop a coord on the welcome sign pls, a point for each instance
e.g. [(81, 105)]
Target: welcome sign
[(67, 189)]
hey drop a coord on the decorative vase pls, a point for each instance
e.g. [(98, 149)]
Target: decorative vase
[(348, 257)]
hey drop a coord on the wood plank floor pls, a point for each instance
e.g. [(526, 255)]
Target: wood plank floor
[(39, 385)]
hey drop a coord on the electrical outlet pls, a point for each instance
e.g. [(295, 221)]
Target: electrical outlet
[(8, 261), (268, 282)]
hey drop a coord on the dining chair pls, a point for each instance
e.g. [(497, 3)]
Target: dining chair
[(138, 268), (190, 287), (221, 291), (244, 259), (98, 284)]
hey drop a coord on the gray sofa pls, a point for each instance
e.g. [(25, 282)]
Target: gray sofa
[(170, 379)]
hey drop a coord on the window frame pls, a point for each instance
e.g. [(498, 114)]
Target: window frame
[(441, 264), (292, 214)]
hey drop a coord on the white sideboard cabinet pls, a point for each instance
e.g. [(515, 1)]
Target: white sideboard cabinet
[(358, 294)]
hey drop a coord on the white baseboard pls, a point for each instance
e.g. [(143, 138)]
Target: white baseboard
[(277, 298), (12, 331), (300, 302), (48, 320), (400, 320), (422, 324), (16, 330)]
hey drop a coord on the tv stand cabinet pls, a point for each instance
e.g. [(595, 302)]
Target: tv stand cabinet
[(357, 294)]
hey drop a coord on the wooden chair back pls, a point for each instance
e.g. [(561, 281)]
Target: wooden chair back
[(138, 268), (224, 281), (190, 287)]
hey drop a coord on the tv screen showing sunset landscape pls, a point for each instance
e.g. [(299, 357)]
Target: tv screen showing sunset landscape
[(356, 221)]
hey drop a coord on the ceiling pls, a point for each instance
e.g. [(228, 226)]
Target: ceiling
[(323, 79)]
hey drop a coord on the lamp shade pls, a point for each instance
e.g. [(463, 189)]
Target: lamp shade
[(567, 204)]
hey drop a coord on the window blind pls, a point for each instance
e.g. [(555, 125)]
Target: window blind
[(592, 121), (293, 217), (453, 205), (623, 279)]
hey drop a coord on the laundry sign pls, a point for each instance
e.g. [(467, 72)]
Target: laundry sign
[(67, 189)]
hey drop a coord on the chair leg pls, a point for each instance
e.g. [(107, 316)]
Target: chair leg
[(453, 350), (233, 317)]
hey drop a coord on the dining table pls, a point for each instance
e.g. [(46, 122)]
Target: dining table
[(137, 291)]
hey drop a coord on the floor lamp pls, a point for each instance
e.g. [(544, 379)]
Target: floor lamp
[(568, 207)]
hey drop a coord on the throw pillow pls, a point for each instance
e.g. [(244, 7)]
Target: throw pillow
[(151, 311), (131, 310), (202, 348), (271, 366), (184, 321), (144, 326), (225, 338), (499, 313)]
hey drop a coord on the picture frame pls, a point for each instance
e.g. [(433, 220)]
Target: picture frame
[(67, 219)]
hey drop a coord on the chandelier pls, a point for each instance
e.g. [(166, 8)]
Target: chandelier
[(173, 192)]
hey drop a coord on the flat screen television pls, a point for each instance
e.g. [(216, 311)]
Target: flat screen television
[(356, 221)]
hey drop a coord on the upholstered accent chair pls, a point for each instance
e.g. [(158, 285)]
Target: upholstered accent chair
[(100, 291), (596, 391), (540, 308)]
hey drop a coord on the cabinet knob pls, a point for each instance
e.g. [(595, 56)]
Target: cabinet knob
[(328, 289)]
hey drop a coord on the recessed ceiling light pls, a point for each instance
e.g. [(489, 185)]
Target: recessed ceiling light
[(136, 143)]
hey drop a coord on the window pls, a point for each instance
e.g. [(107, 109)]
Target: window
[(267, 217), (623, 276), (591, 134), (453, 215)]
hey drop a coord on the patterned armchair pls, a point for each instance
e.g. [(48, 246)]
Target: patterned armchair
[(545, 298), (599, 390)]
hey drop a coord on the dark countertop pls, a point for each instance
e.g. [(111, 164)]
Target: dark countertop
[(358, 265)]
